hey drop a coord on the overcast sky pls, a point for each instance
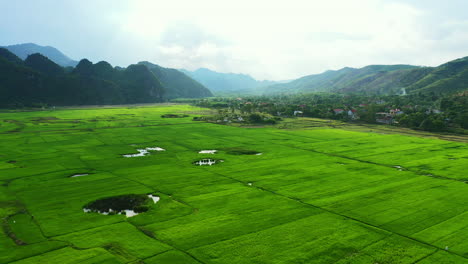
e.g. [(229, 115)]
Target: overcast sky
[(267, 39)]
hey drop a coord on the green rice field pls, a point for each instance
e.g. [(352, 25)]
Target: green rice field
[(320, 195)]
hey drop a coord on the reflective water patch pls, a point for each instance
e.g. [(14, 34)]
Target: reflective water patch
[(155, 198), (79, 175), (143, 152), (204, 162), (213, 151), (129, 205)]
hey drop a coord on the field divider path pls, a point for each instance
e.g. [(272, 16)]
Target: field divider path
[(369, 245), (425, 257), (339, 214), (139, 228), (160, 253), (51, 238), (169, 244)]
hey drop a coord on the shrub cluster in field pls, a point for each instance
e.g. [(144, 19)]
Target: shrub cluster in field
[(137, 202), (251, 118), (173, 116), (240, 151)]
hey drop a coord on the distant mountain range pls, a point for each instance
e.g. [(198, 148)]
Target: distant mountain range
[(33, 74), (381, 80), (26, 49), (225, 83), (38, 80)]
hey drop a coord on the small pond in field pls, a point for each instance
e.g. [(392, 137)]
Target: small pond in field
[(204, 162), (79, 175), (213, 151), (143, 152), (128, 205)]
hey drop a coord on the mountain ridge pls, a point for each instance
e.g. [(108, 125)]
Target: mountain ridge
[(26, 49), (381, 80), (219, 82), (38, 80), (178, 82)]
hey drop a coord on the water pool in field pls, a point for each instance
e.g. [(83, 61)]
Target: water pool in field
[(129, 205), (79, 175), (213, 151), (143, 152), (205, 162)]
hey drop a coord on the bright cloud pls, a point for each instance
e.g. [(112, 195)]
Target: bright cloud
[(269, 39)]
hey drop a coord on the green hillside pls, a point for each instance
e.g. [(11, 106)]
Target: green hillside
[(178, 84), (447, 78), (9, 56), (346, 79), (42, 64), (39, 81), (382, 80)]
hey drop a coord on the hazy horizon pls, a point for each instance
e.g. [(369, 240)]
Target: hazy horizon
[(268, 40)]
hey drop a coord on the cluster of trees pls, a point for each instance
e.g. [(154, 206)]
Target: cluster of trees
[(431, 112), (38, 81), (231, 116)]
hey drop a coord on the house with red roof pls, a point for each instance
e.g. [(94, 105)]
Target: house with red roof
[(338, 111)]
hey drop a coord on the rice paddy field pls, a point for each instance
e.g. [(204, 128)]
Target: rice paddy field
[(271, 195)]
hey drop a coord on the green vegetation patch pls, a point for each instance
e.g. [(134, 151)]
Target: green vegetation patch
[(121, 239), (24, 230), (44, 119), (69, 255), (173, 116), (172, 257), (241, 151)]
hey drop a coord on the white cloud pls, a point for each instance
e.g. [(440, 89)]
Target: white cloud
[(267, 39)]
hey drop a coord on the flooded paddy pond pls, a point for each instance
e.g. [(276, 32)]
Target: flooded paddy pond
[(79, 175), (204, 162), (213, 151), (143, 152), (129, 204)]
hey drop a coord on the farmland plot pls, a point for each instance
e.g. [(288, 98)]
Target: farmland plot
[(312, 196)]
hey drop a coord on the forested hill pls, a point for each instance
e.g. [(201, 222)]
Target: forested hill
[(177, 83), (382, 80), (26, 49), (39, 81), (227, 82)]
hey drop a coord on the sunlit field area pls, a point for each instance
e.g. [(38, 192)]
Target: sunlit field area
[(267, 194)]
